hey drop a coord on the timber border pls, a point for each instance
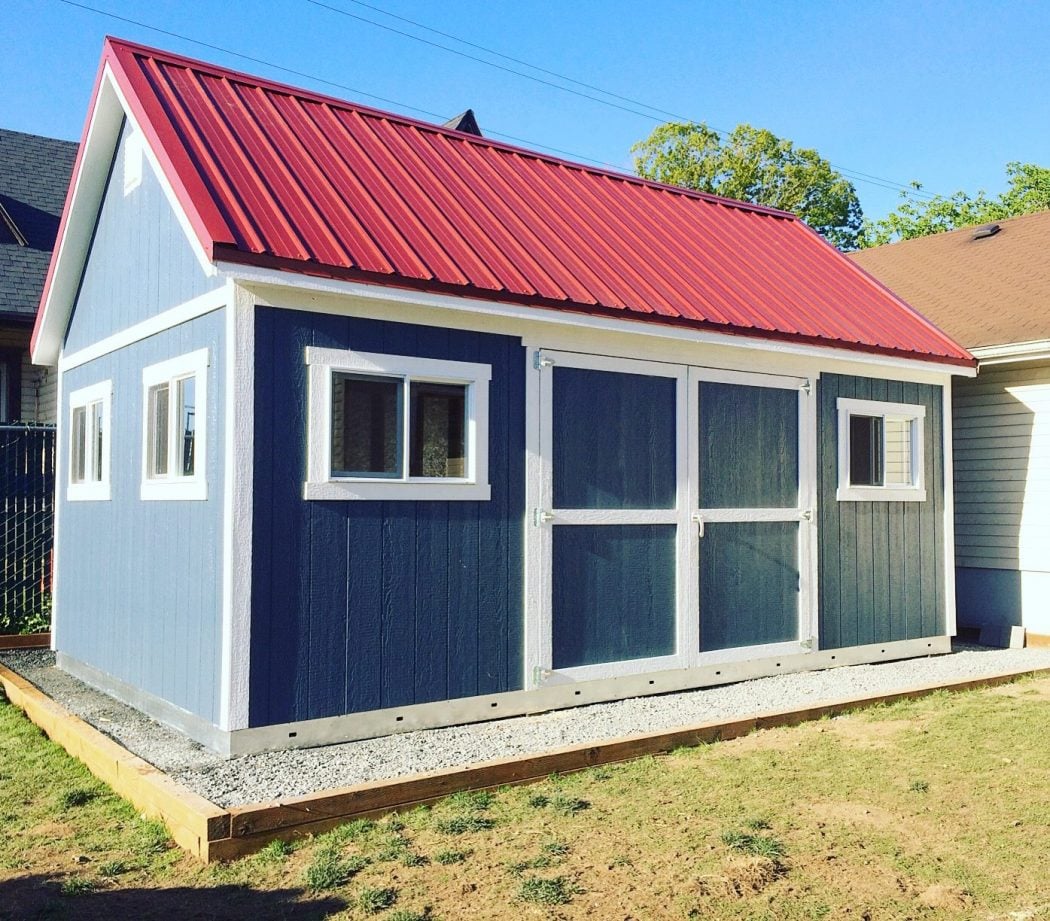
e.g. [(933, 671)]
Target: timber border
[(211, 832), (25, 641)]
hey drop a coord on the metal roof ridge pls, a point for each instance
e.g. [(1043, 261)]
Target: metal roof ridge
[(326, 99)]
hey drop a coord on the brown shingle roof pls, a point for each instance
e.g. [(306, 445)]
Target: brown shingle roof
[(992, 291)]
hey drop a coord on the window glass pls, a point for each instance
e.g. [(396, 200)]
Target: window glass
[(865, 450), (97, 423), (78, 458), (437, 440), (898, 437), (187, 388), (157, 459), (366, 425)]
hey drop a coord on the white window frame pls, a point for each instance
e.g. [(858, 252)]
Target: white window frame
[(320, 483), (91, 489), (913, 413), (175, 485)]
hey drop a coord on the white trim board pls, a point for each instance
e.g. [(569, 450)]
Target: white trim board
[(308, 287), (1014, 352)]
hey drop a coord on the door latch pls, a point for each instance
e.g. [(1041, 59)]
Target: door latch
[(540, 517), (541, 361), (699, 519)]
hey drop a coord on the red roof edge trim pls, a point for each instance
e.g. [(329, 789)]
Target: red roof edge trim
[(205, 219), (78, 164), (119, 44), (232, 255)]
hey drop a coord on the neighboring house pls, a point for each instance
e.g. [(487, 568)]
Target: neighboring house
[(989, 287), (370, 424), (34, 177)]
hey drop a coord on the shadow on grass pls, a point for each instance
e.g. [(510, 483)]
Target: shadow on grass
[(41, 896)]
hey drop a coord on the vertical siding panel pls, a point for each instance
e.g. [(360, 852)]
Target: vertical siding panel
[(849, 584), (880, 557), (931, 513), (829, 590), (865, 564), (513, 506), (363, 652), (896, 538)]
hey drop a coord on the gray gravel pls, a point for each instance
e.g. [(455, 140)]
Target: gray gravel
[(277, 775)]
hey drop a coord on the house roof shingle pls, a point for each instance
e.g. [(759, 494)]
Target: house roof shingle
[(989, 291), (34, 177)]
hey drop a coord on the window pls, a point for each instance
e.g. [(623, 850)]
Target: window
[(89, 435), (880, 451), (10, 385), (174, 428), (395, 427)]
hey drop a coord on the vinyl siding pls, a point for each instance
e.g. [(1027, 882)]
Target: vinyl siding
[(881, 563), (140, 262), (359, 605), (1002, 468)]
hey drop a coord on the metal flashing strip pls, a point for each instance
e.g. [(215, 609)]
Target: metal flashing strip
[(357, 726)]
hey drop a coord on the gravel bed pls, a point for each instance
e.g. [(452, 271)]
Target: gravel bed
[(277, 775)]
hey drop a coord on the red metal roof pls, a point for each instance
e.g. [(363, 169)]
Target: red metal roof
[(277, 176)]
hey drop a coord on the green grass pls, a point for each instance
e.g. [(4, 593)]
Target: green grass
[(865, 813)]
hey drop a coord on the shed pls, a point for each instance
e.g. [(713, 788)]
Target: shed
[(989, 287), (372, 425)]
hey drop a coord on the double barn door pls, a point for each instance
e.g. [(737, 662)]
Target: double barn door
[(669, 512)]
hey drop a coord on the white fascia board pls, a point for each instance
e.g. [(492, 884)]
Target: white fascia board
[(1036, 350), (110, 109), (312, 285)]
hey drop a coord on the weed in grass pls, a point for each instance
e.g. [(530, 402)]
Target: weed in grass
[(78, 796), (539, 890), (599, 773), (405, 914), (113, 868), (542, 862), (555, 848), (373, 901), (395, 848), (621, 860), (919, 786), (153, 837), (538, 801), (329, 870), (758, 824), (447, 858), (276, 851), (472, 800), (464, 824), (351, 831), (568, 805), (395, 823), (75, 885), (414, 860), (756, 845)]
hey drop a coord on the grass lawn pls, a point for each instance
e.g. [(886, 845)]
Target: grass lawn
[(937, 808)]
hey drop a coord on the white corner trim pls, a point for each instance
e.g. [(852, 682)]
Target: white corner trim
[(950, 626), (238, 483), (60, 472), (564, 318), (1036, 350), (846, 491), (173, 486), (321, 484), (92, 490), (182, 313)]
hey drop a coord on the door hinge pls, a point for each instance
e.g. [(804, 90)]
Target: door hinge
[(807, 388), (806, 644), (540, 517), (541, 361), (539, 675)]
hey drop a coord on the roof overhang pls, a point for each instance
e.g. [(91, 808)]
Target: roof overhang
[(1012, 352)]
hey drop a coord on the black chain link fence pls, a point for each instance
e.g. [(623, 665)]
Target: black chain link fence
[(27, 509)]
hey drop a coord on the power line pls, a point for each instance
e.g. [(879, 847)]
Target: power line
[(307, 76), (869, 178)]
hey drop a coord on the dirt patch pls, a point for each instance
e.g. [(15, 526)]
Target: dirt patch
[(1032, 690), (944, 897), (741, 877), (56, 830), (862, 733)]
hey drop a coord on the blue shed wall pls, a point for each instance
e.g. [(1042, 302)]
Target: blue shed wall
[(140, 262), (139, 584), (881, 563), (361, 605)]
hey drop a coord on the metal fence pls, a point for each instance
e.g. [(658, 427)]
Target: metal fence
[(27, 508)]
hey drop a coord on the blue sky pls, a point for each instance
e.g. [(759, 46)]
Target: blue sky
[(945, 93)]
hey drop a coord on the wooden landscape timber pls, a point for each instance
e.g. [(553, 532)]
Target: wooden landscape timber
[(26, 641), (211, 833)]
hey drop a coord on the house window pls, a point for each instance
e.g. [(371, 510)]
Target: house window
[(10, 385), (396, 427), (89, 438), (880, 451), (174, 428)]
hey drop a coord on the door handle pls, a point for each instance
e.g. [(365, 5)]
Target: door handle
[(699, 519), (541, 517)]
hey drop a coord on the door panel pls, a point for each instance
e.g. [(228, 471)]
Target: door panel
[(749, 584), (614, 593), (614, 440)]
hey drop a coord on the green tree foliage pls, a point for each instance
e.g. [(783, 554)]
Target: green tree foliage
[(1028, 191), (753, 164)]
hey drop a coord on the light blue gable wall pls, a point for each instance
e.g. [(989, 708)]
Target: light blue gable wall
[(139, 585), (140, 262)]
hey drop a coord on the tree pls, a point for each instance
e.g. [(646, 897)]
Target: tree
[(753, 164), (1028, 191)]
